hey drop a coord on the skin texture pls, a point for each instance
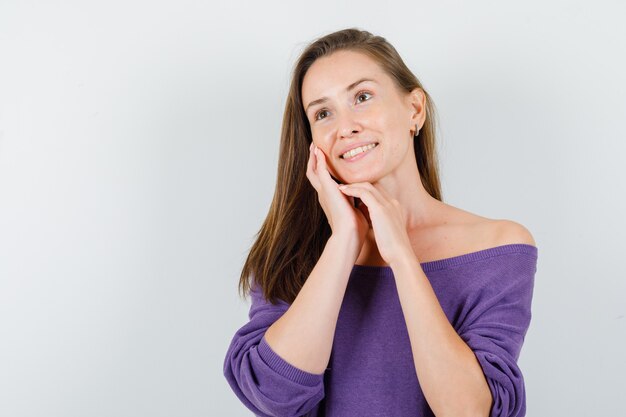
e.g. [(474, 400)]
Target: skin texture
[(399, 224)]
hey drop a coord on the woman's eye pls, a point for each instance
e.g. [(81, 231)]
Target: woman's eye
[(318, 113), (361, 94), (358, 96)]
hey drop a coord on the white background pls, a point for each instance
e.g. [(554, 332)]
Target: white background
[(138, 153)]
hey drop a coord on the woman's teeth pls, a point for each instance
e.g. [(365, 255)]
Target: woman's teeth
[(358, 150)]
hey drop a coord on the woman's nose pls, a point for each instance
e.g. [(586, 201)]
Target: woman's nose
[(347, 124)]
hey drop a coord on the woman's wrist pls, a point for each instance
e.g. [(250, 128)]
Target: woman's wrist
[(405, 258), (347, 244)]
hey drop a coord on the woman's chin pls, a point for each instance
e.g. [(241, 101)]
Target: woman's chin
[(360, 178)]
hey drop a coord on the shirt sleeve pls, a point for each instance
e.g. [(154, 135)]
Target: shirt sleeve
[(263, 381), (497, 319)]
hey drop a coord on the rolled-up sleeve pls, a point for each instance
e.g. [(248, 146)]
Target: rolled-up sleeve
[(495, 325), (264, 382)]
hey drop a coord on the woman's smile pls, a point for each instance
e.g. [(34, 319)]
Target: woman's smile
[(360, 153)]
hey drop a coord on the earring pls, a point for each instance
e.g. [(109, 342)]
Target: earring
[(417, 131)]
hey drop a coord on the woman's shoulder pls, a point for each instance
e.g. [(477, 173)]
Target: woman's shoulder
[(458, 232), (506, 232), (483, 238), (492, 232)]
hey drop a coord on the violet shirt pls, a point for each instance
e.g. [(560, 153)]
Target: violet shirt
[(486, 296)]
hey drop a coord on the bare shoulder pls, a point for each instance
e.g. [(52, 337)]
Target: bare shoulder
[(491, 232), (457, 231), (509, 232)]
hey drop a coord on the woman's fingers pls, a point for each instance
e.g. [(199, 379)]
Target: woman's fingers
[(317, 170), (322, 169), (374, 195), (368, 198), (310, 169), (385, 194)]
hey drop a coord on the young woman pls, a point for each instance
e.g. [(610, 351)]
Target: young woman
[(376, 298)]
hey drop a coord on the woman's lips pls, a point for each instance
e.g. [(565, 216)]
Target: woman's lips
[(360, 155)]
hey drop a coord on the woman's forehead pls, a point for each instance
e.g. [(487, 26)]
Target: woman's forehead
[(338, 73)]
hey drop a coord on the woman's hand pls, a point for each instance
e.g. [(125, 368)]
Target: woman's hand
[(343, 218), (388, 220)]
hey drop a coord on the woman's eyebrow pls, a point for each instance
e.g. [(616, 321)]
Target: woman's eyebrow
[(348, 88)]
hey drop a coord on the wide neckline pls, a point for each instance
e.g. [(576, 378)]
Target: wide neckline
[(459, 259)]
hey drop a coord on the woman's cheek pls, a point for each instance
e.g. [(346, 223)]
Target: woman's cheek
[(331, 169)]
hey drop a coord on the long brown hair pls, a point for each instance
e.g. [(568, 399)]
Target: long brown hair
[(295, 231)]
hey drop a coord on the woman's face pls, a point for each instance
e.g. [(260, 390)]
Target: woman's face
[(344, 115)]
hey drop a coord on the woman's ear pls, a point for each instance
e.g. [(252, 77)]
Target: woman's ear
[(417, 101)]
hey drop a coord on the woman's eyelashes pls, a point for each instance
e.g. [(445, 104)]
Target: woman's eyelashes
[(357, 96), (363, 93)]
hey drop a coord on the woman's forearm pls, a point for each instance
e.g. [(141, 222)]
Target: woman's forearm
[(303, 335), (449, 373)]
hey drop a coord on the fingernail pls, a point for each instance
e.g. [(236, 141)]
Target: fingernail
[(341, 187)]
